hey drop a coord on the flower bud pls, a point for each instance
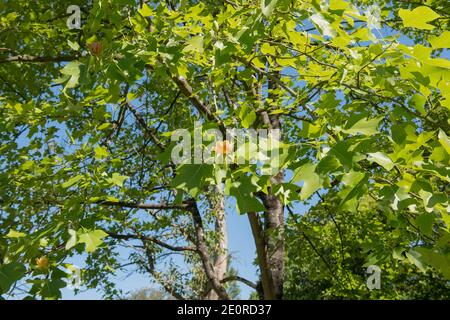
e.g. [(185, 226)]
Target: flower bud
[(223, 147), (96, 48), (42, 262)]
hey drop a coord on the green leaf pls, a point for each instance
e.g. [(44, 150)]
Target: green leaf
[(442, 41), (382, 159), (364, 126), (439, 155), (72, 69), (73, 45), (323, 24), (92, 239), (268, 10), (100, 152), (268, 49), (356, 182), (194, 44), (72, 240), (51, 289), (328, 164), (425, 223), (247, 116), (166, 156), (439, 261), (145, 11), (338, 5), (310, 177), (139, 23), (192, 177), (418, 101), (220, 174), (15, 234), (287, 191), (444, 140), (10, 273), (243, 190), (117, 179), (416, 258), (27, 165), (418, 17), (72, 181), (398, 134), (104, 126)]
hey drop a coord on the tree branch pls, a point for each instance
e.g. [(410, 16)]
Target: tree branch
[(151, 239), (240, 279), (145, 206), (37, 59), (166, 285), (187, 90), (150, 131)]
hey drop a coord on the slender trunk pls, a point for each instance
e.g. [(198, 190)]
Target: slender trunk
[(269, 244), (204, 254), (269, 237), (274, 220), (221, 253), (260, 244), (274, 214)]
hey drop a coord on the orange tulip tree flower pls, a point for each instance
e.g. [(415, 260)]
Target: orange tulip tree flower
[(223, 147)]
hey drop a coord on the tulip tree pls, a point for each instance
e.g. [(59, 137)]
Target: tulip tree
[(360, 91)]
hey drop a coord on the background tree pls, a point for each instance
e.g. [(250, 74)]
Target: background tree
[(329, 259), (149, 294)]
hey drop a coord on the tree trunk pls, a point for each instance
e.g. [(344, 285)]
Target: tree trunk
[(274, 238), (260, 244), (274, 214), (270, 249), (221, 252), (203, 251)]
